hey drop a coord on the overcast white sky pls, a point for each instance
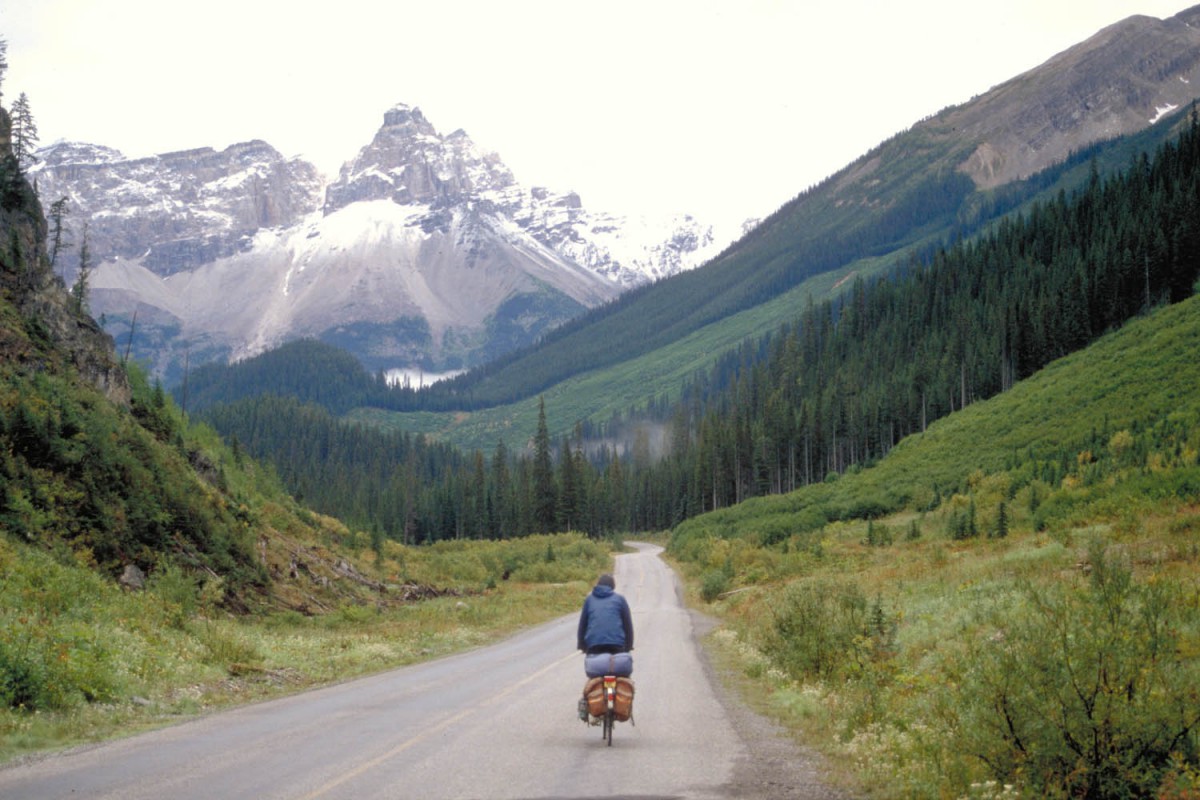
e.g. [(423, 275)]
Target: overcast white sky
[(722, 109)]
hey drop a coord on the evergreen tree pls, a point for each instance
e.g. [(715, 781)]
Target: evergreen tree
[(477, 508), (80, 289), (1000, 530), (24, 132), (568, 488), (545, 493), (59, 235), (504, 518)]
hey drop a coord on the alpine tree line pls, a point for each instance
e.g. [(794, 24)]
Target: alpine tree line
[(837, 387)]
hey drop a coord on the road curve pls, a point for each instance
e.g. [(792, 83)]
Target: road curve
[(498, 723)]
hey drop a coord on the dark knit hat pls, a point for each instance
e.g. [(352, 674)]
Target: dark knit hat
[(606, 580)]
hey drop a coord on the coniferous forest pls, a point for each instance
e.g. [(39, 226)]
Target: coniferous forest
[(836, 388)]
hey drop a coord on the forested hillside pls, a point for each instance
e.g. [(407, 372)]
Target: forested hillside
[(851, 378), (390, 483), (638, 377), (99, 467), (306, 370), (836, 388), (1003, 606)]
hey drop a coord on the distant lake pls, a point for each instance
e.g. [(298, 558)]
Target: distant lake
[(417, 378)]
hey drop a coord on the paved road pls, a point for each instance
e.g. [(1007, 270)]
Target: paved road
[(498, 722)]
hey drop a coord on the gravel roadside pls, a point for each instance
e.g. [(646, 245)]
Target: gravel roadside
[(776, 767)]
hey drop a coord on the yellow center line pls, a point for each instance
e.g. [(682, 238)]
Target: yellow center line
[(369, 765)]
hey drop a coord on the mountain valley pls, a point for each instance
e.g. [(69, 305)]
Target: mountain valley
[(924, 443), (423, 253)]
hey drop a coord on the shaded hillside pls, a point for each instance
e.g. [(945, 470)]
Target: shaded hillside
[(100, 469), (396, 484), (306, 370)]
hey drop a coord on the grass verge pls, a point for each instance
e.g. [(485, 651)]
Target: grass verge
[(82, 660)]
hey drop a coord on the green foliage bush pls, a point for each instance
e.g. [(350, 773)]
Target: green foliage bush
[(816, 628), (1085, 691), (177, 590), (713, 583), (81, 474), (53, 653)]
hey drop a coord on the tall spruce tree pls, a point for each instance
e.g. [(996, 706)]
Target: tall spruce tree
[(59, 235), (24, 132), (568, 485), (545, 493), (504, 518), (80, 289)]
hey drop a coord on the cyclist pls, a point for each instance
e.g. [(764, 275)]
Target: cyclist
[(605, 624), (605, 634)]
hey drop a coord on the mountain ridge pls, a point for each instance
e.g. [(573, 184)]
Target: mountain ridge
[(912, 191), (177, 234)]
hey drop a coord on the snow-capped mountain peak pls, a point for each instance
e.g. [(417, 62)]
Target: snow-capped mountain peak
[(424, 251)]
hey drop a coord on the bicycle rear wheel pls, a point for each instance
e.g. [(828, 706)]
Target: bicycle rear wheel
[(607, 730)]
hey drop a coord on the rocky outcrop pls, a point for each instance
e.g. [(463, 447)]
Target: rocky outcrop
[(1126, 77), (409, 163), (176, 211), (54, 325)]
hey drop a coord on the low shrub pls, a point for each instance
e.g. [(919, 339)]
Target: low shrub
[(815, 627), (713, 583), (53, 654), (1085, 691)]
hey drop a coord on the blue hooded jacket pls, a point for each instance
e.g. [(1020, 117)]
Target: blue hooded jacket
[(605, 624)]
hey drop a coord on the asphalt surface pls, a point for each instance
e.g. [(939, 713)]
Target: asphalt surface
[(497, 723)]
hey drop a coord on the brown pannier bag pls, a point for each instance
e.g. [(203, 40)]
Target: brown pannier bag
[(623, 702), (594, 692)]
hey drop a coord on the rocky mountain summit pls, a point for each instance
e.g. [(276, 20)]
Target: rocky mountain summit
[(410, 164), (176, 211), (425, 251), (1129, 75)]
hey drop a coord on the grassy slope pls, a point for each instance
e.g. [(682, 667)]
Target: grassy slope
[(99, 662), (978, 624), (1134, 377)]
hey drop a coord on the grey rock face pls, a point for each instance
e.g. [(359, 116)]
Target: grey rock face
[(408, 162), (1117, 82), (176, 211), (424, 251)]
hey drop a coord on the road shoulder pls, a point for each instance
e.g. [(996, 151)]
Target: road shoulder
[(775, 766)]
